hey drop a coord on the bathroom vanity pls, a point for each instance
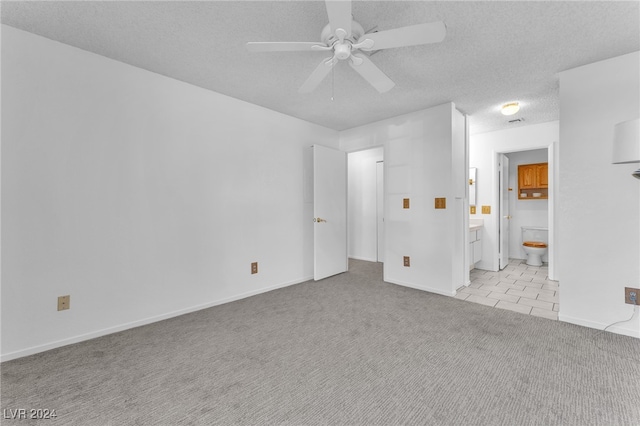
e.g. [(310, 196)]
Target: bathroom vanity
[(475, 241)]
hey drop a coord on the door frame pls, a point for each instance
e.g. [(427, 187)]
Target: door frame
[(380, 210), (502, 206), (371, 251), (552, 158)]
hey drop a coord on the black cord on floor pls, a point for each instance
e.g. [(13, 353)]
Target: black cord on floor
[(635, 310)]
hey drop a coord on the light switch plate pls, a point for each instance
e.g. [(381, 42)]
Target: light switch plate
[(405, 203), (473, 209), (486, 209), (441, 203)]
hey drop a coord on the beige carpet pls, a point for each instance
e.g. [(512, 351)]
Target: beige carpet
[(346, 350)]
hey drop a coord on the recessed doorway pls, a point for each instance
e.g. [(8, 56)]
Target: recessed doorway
[(366, 205)]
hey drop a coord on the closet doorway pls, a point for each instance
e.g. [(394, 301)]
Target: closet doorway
[(366, 205)]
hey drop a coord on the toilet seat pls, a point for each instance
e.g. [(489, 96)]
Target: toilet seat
[(535, 244)]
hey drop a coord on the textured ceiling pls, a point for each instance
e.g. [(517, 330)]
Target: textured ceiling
[(494, 52)]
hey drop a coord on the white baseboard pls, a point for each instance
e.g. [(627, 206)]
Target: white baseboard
[(366, 259), (618, 329), (485, 266), (98, 333), (423, 288)]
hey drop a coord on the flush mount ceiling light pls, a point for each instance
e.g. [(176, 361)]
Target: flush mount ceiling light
[(510, 108)]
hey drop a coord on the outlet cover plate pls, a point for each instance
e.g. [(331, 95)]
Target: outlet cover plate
[(627, 295), (407, 261), (254, 268), (405, 203), (64, 303)]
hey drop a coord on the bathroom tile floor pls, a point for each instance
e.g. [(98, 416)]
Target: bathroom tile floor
[(518, 287)]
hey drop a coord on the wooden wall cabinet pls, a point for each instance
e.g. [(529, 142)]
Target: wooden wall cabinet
[(533, 179)]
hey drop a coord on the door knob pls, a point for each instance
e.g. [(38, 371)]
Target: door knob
[(319, 220), (507, 217)]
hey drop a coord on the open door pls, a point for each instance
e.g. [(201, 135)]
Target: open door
[(505, 217), (380, 209), (330, 212)]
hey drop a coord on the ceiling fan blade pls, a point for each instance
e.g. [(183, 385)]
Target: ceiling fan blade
[(371, 73), (339, 15), (282, 46), (317, 76), (412, 35)]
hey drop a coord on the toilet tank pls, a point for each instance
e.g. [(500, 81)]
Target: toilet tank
[(535, 233)]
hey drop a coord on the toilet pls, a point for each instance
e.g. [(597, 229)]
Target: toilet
[(534, 244)]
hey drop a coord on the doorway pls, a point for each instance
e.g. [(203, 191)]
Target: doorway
[(366, 205), (504, 206), (519, 212), (517, 286)]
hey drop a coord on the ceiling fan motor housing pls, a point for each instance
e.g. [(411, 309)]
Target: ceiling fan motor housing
[(329, 38)]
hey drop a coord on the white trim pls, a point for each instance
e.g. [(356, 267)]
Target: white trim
[(553, 156), (418, 287), (92, 335), (465, 215), (484, 265), (618, 329)]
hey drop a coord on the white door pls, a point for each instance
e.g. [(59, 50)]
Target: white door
[(330, 212), (503, 179), (380, 208)]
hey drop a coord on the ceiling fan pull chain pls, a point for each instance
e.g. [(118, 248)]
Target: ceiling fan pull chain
[(333, 71)]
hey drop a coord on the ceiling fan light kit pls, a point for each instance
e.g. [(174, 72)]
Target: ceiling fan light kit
[(346, 37)]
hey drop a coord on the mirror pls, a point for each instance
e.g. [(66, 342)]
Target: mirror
[(472, 186)]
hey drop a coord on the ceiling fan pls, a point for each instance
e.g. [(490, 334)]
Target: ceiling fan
[(345, 37)]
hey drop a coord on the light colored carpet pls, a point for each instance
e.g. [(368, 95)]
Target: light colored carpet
[(350, 349)]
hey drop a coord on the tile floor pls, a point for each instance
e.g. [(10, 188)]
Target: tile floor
[(518, 287)]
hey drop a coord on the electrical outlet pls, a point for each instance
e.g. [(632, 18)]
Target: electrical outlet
[(631, 295), (407, 261), (64, 303), (254, 268)]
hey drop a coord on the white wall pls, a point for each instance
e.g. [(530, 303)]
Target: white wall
[(140, 196), (424, 158), (363, 220), (529, 212), (482, 155), (599, 201)]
